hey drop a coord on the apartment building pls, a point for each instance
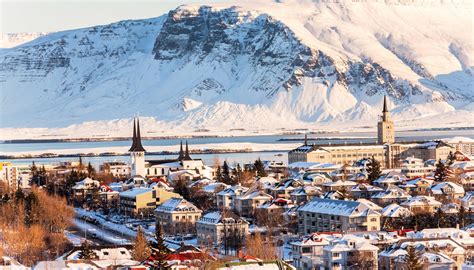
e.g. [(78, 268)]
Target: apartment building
[(247, 203), (177, 215), (215, 228), (323, 215)]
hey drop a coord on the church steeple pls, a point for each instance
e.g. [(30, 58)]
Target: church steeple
[(137, 140), (181, 153), (186, 153), (385, 112), (134, 135), (385, 104)]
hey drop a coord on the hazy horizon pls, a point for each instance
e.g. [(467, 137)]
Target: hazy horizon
[(54, 16)]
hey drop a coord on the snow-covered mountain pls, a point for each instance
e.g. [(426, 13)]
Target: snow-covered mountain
[(257, 65)]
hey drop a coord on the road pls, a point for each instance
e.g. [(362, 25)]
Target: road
[(103, 236)]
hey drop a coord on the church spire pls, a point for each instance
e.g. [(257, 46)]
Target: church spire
[(134, 135), (385, 104), (186, 153), (181, 153), (137, 140)]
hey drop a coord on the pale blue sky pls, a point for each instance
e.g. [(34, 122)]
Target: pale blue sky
[(50, 16)]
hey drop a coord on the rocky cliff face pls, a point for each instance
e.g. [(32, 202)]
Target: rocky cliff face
[(202, 66)]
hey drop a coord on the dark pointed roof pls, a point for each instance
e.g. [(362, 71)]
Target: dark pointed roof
[(385, 104), (136, 140), (186, 153), (181, 153)]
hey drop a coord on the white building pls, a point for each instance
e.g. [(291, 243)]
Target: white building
[(350, 251), (226, 197), (137, 152)]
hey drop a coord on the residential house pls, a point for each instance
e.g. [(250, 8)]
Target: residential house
[(364, 191), (307, 253), (85, 187), (392, 194), (350, 251), (421, 204), (447, 192)]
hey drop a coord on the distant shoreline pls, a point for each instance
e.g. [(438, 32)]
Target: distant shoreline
[(111, 154), (295, 132)]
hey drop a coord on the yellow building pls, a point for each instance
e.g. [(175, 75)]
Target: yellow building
[(143, 200), (337, 154)]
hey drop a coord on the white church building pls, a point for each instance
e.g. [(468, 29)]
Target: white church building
[(164, 167)]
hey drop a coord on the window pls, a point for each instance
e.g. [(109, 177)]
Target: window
[(336, 255)]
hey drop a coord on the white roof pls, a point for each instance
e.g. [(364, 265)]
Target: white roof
[(340, 183), (232, 191), (421, 200), (395, 211), (438, 189), (177, 204), (132, 193), (337, 207)]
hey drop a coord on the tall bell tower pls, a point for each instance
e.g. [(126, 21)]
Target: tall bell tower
[(385, 128), (137, 152)]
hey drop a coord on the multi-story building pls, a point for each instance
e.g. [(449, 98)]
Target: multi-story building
[(307, 253), (324, 215), (398, 152), (84, 188), (336, 154), (350, 252), (415, 167), (142, 200), (225, 198), (177, 215), (221, 228), (464, 145), (116, 168), (247, 203)]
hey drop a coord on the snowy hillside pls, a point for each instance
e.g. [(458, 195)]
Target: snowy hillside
[(265, 65)]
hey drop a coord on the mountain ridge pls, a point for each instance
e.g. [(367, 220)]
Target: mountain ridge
[(217, 67)]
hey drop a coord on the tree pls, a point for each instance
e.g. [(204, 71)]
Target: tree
[(440, 172), (462, 216), (219, 173), (225, 172), (86, 252), (181, 187), (160, 251), (90, 170), (373, 170), (450, 158), (141, 249), (258, 247), (260, 168), (413, 259)]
